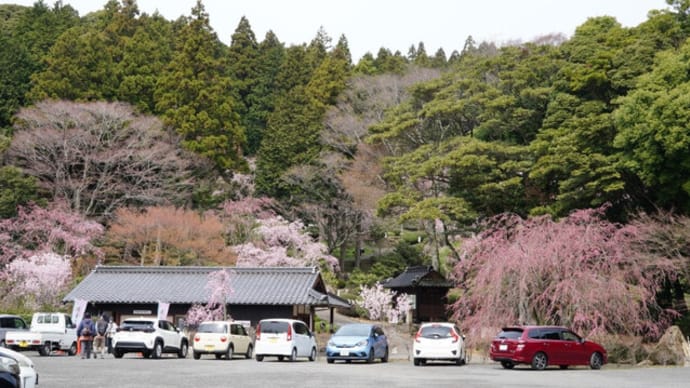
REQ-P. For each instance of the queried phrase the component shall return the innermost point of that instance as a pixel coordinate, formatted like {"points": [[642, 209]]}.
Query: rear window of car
{"points": [[513, 333], [274, 327], [136, 325], [216, 327], [436, 332], [354, 331]]}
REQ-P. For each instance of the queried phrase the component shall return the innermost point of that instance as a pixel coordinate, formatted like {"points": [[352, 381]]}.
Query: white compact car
{"points": [[150, 336], [27, 370], [439, 341], [222, 338], [284, 338]]}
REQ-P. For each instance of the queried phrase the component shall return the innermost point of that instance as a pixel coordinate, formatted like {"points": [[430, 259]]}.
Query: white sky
{"points": [[395, 24]]}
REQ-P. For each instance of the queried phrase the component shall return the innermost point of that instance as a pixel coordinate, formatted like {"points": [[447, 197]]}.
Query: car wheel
{"points": [[72, 349], [2, 344], [117, 353], [416, 362], [218, 356], [293, 355], [312, 355], [596, 360], [563, 366], [507, 364], [157, 351], [385, 355], [259, 358], [540, 361], [197, 356], [45, 349], [370, 359], [228, 354], [280, 358], [330, 360], [250, 349], [184, 349]]}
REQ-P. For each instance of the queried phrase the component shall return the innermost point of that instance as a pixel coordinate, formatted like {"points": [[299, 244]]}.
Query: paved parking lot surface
{"points": [[64, 371]]}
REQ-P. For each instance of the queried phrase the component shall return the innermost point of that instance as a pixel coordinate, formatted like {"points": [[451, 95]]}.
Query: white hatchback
{"points": [[284, 338], [27, 370], [222, 338], [439, 341]]}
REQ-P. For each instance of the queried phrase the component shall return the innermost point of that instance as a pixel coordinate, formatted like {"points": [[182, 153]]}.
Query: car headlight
{"points": [[331, 343], [9, 365], [361, 343]]}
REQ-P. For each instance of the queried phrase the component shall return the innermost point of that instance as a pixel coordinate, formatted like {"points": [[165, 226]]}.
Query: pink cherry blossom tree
{"points": [[381, 303], [581, 271], [279, 243], [38, 281], [219, 286]]}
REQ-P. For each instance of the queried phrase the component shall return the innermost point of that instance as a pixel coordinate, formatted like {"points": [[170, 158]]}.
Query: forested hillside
{"points": [[178, 149]]}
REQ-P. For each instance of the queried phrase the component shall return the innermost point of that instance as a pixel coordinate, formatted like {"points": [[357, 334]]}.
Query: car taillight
{"points": [[520, 346], [197, 338], [258, 332], [10, 341], [417, 336], [289, 333], [455, 336], [223, 339]]}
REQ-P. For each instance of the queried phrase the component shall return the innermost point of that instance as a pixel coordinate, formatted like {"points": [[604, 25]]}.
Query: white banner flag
{"points": [[78, 310], [163, 310]]}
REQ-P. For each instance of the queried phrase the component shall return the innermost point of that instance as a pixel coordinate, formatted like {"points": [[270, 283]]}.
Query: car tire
{"points": [[72, 351], [250, 350], [259, 358], [507, 364], [385, 355], [157, 350], [2, 344], [229, 352], [184, 349], [218, 356], [563, 367], [416, 362], [280, 358], [596, 360], [370, 359], [540, 361], [293, 355], [45, 349], [330, 360], [117, 353], [196, 355], [312, 355]]}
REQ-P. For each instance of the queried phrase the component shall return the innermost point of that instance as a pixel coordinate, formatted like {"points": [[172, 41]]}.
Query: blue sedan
{"points": [[357, 341]]}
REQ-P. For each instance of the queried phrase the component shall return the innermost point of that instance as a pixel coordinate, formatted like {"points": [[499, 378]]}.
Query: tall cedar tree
{"points": [[193, 95]]}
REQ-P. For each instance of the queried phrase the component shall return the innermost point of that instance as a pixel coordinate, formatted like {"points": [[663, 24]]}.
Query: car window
{"points": [[435, 332], [301, 328], [378, 331], [512, 333], [274, 327], [212, 327], [545, 333], [136, 325], [569, 336], [354, 331], [12, 323]]}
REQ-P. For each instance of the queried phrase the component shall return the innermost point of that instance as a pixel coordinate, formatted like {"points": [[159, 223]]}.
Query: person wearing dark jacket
{"points": [[85, 333]]}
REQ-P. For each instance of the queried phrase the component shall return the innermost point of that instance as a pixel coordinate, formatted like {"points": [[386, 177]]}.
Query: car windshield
{"points": [[510, 333], [136, 325], [274, 327], [212, 327], [436, 332], [354, 331]]}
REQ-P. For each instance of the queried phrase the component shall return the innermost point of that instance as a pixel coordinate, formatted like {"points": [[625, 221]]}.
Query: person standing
{"points": [[85, 333], [110, 333], [99, 340]]}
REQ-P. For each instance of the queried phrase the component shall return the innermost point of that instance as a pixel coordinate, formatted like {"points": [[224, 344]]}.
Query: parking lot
{"points": [[130, 371]]}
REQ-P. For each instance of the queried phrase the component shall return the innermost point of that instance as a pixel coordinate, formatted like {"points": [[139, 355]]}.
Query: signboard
{"points": [[141, 312]]}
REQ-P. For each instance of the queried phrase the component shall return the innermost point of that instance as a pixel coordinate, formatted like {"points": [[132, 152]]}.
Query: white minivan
{"points": [[284, 338]]}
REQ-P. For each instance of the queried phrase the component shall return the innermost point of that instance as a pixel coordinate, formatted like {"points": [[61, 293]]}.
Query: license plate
{"points": [[209, 347], [273, 340], [23, 344], [503, 348], [344, 353]]}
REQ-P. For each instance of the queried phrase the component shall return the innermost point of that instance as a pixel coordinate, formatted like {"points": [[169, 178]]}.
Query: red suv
{"points": [[541, 346]]}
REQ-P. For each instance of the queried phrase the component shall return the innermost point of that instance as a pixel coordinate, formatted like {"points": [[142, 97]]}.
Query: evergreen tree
{"points": [[194, 97]]}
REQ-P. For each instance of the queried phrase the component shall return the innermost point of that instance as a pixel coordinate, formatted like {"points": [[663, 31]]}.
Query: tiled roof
{"points": [[419, 276], [263, 286]]}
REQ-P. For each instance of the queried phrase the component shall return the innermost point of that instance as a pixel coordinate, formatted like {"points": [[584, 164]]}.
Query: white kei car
{"points": [[222, 338], [439, 341], [27, 369], [284, 338]]}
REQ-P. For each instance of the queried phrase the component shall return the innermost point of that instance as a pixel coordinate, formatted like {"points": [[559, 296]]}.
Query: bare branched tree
{"points": [[100, 156]]}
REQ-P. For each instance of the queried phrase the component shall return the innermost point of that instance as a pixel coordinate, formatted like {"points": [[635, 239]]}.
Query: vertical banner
{"points": [[163, 310], [78, 310]]}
